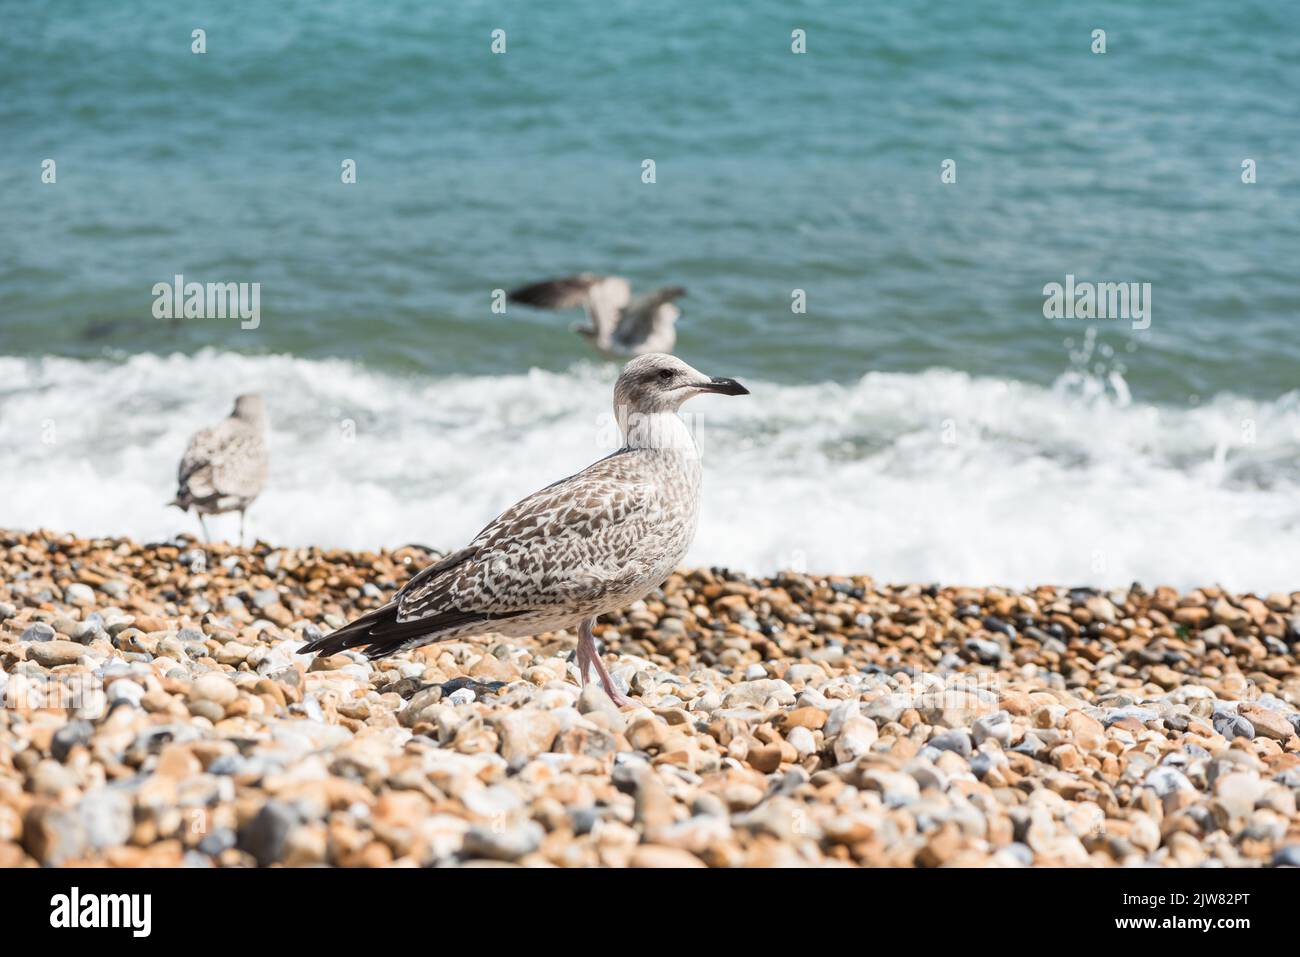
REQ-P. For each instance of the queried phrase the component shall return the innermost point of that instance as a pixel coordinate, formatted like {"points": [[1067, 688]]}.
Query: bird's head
{"points": [[249, 407], [658, 382]]}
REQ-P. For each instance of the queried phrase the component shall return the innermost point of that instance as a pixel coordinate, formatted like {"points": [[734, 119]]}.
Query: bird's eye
{"points": [[666, 374]]}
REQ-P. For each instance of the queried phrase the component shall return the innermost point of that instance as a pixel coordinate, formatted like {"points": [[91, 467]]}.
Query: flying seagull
{"points": [[587, 545], [224, 467], [618, 325]]}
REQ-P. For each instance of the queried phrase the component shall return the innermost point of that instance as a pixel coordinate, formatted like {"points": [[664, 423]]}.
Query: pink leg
{"points": [[587, 657]]}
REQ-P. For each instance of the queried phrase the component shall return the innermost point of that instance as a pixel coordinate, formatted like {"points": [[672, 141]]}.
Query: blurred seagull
{"points": [[618, 325], [224, 467], [585, 546]]}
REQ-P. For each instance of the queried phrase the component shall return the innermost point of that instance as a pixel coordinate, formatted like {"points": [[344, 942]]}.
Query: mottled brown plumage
{"points": [[584, 546]]}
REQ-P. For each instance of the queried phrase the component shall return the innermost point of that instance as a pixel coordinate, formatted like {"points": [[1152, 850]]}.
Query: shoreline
{"points": [[793, 720]]}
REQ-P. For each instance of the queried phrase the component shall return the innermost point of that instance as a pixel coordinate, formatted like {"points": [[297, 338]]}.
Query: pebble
{"points": [[855, 739], [1288, 856], [992, 727], [214, 688], [956, 741], [55, 652], [1233, 726], [1266, 722], [37, 632], [1165, 780], [503, 842], [525, 734], [787, 721], [106, 814], [265, 835], [54, 835]]}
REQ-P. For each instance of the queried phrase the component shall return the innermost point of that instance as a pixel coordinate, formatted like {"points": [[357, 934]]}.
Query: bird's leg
{"points": [[207, 539], [588, 656], [241, 528], [582, 658]]}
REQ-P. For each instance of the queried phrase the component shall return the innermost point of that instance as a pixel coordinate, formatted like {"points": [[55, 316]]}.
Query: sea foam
{"points": [[929, 477]]}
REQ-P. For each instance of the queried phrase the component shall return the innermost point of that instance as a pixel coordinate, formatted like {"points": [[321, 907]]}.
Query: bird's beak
{"points": [[723, 387]]}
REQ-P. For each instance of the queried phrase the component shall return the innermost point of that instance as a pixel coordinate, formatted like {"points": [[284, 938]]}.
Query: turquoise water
{"points": [[922, 421], [775, 172]]}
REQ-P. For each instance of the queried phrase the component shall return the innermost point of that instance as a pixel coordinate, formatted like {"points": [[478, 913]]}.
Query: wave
{"points": [[935, 476]]}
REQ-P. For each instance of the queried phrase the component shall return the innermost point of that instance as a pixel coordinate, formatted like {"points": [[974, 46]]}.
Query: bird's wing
{"points": [[565, 292], [194, 477], [240, 470], [639, 317], [602, 296], [568, 545], [227, 459]]}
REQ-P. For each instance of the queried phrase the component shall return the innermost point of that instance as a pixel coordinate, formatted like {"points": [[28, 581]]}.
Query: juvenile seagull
{"points": [[224, 467], [618, 326], [587, 545]]}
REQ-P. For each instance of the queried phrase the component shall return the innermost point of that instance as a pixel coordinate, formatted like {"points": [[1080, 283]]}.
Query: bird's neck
{"points": [[254, 420], [661, 431]]}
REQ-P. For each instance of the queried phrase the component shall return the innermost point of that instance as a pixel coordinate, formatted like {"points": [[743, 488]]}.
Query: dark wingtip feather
{"points": [[558, 293], [382, 634], [351, 635]]}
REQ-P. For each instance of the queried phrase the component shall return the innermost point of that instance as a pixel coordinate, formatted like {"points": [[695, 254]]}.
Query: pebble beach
{"points": [[156, 713]]}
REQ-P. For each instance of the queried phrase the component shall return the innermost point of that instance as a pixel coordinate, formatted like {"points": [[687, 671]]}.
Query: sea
{"points": [[868, 205]]}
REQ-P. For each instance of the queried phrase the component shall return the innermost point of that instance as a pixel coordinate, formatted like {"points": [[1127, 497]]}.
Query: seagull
{"points": [[224, 467], [582, 547], [618, 326]]}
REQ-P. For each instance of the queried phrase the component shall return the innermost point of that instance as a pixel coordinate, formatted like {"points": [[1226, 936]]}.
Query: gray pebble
{"points": [[265, 834], [956, 740], [69, 736], [115, 588], [1111, 715], [38, 632], [503, 843], [107, 817], [995, 726], [985, 651], [1233, 726], [1288, 856], [1166, 780], [221, 839], [583, 819]]}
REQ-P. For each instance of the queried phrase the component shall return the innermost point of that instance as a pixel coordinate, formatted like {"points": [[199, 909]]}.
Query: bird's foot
{"points": [[587, 656], [617, 696], [587, 661]]}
